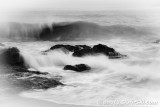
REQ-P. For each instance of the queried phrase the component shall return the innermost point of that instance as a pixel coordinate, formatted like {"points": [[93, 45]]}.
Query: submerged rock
{"points": [[78, 68], [23, 79], [35, 82]]}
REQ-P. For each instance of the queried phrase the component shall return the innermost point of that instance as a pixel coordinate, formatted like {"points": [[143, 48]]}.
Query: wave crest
{"points": [[71, 31]]}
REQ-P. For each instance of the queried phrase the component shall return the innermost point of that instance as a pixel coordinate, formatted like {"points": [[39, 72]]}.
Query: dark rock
{"points": [[78, 68], [105, 50], [14, 62], [25, 73], [22, 78], [63, 47], [82, 47], [70, 67], [82, 67], [98, 49], [69, 47], [38, 72], [83, 50], [102, 48], [11, 56]]}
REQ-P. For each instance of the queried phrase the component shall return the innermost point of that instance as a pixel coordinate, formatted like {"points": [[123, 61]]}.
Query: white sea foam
{"points": [[134, 78]]}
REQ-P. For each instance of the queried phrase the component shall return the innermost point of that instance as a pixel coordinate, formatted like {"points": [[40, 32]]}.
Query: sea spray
{"points": [[107, 80], [71, 31], [135, 78]]}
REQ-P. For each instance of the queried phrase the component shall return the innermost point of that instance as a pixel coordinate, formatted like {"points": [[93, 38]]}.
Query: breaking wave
{"points": [[64, 31]]}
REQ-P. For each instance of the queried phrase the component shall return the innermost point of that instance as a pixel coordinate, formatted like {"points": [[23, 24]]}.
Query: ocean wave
{"points": [[64, 31], [85, 30]]}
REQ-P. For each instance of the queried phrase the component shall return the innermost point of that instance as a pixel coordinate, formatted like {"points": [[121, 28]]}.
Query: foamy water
{"points": [[134, 78]]}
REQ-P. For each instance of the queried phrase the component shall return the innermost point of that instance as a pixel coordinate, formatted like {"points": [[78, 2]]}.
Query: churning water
{"points": [[136, 77]]}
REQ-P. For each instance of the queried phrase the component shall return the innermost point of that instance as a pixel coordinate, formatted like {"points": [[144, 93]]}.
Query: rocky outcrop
{"points": [[20, 77], [83, 50], [77, 68], [11, 56], [69, 47], [98, 49]]}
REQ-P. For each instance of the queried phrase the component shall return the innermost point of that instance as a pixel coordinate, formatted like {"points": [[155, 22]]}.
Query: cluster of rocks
{"points": [[22, 77], [83, 50]]}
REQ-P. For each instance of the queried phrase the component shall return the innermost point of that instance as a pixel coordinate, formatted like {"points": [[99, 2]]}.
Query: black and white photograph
{"points": [[79, 53]]}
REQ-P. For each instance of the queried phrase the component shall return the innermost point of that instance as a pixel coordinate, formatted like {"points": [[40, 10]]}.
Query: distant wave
{"points": [[84, 30], [71, 31]]}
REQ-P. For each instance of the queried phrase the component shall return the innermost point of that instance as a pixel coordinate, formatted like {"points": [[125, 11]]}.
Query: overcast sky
{"points": [[15, 5]]}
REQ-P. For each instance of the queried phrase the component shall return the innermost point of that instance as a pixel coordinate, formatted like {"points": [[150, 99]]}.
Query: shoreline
{"points": [[19, 101]]}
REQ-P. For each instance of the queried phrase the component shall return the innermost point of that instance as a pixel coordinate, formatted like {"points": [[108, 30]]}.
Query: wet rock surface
{"points": [[11, 56], [83, 50], [77, 68], [69, 47]]}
